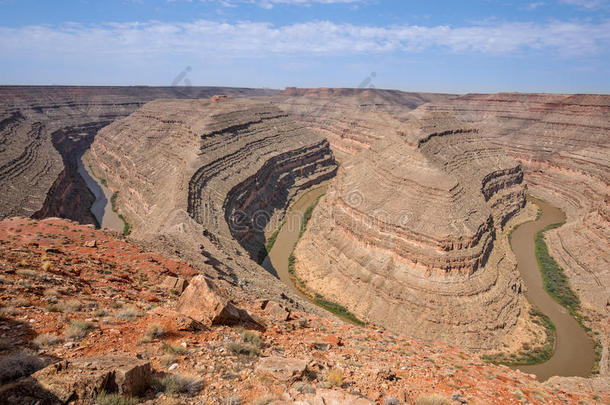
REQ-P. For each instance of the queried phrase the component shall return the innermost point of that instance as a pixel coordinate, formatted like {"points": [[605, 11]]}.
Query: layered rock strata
{"points": [[44, 131], [563, 145], [352, 119], [228, 168], [410, 237]]}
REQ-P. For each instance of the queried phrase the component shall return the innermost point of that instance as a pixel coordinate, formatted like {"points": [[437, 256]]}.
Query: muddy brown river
{"points": [[101, 208], [277, 260], [574, 350]]}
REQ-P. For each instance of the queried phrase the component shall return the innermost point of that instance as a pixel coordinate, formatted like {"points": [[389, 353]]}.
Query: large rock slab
{"points": [[206, 303], [83, 379]]}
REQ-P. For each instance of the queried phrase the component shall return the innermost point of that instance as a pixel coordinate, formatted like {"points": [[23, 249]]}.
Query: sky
{"points": [[451, 46]]}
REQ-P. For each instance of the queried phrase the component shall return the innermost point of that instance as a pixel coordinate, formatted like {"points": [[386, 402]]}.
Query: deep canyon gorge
{"points": [[412, 235]]}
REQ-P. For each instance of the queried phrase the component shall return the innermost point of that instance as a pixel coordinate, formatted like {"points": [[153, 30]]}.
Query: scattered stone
{"points": [[282, 368], [91, 243]]}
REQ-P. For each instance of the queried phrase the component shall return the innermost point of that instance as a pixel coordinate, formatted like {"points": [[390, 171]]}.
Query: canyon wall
{"points": [[352, 119], [563, 145], [217, 174], [409, 235], [45, 129]]}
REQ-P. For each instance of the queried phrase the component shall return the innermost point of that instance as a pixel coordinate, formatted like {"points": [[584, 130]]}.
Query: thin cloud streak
{"points": [[251, 39]]}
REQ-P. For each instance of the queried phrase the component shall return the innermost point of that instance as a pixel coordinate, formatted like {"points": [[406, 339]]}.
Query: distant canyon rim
{"points": [[412, 234]]}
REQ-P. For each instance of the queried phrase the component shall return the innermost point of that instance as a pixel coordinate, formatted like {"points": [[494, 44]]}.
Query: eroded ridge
{"points": [[410, 237], [233, 166]]}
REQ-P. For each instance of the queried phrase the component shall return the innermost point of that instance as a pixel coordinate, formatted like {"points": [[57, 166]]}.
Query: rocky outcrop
{"points": [[45, 130], [83, 379], [230, 167], [409, 236]]}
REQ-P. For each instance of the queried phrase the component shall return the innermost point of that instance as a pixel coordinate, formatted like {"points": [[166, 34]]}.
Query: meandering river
{"points": [[101, 208], [276, 261], [574, 353], [574, 350]]}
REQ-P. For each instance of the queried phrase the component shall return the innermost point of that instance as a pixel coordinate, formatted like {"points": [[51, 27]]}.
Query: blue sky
{"points": [[560, 46]]}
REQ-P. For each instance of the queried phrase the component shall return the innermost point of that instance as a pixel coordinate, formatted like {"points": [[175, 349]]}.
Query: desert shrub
{"points": [[78, 330], [28, 273], [252, 337], [46, 265], [19, 302], [179, 384], [173, 349], [334, 377], [9, 311], [70, 306], [243, 349], [130, 313], [46, 340], [100, 312], [155, 331], [18, 365], [432, 399], [114, 399]]}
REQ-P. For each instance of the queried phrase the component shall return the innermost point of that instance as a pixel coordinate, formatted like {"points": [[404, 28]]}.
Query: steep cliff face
{"points": [[44, 131], [409, 235], [231, 166], [563, 145]]}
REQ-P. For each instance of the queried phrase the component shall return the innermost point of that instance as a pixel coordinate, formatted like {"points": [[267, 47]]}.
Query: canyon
{"points": [[412, 236]]}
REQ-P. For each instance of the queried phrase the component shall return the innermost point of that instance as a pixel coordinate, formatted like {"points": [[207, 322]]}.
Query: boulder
{"points": [[83, 379], [276, 311], [206, 303], [282, 368], [174, 283], [91, 243]]}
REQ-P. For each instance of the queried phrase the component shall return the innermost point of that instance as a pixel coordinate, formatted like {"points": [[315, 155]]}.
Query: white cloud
{"points": [[535, 5], [271, 3], [590, 4], [204, 38]]}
